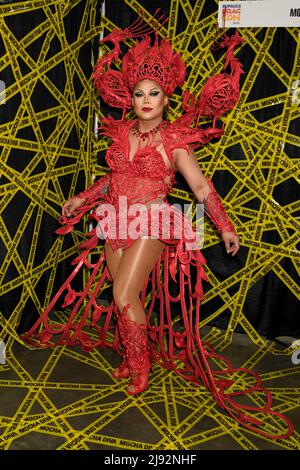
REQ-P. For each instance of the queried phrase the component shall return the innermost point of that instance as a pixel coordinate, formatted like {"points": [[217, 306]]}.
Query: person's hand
{"points": [[231, 241], [73, 203]]}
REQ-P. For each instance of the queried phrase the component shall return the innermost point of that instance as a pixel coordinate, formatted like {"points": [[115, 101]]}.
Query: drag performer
{"points": [[149, 243]]}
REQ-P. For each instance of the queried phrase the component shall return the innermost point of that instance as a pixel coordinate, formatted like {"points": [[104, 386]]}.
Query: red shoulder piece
{"points": [[115, 129], [178, 135], [221, 92]]}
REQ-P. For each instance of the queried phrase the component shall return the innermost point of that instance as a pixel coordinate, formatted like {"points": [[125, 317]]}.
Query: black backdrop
{"points": [[58, 142]]}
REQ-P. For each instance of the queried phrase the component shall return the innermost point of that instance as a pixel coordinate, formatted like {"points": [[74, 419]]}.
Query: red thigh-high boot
{"points": [[137, 354]]}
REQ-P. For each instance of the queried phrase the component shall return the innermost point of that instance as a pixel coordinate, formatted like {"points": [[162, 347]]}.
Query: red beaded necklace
{"points": [[145, 135]]}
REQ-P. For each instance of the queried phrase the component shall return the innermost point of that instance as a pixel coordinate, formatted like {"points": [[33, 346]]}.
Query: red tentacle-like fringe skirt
{"points": [[178, 348]]}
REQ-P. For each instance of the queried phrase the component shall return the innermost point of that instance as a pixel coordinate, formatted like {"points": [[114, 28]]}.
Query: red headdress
{"points": [[143, 61], [159, 63], [165, 66]]}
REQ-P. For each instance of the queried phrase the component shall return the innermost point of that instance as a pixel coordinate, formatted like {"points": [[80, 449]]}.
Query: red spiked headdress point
{"points": [[158, 62]]}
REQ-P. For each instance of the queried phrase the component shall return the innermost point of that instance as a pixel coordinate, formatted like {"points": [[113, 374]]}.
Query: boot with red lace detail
{"points": [[137, 355], [122, 371]]}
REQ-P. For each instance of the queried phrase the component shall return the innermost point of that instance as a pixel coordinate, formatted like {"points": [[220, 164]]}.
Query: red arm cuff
{"points": [[93, 191], [213, 207]]}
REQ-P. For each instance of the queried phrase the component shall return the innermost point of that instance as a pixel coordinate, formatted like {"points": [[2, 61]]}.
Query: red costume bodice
{"points": [[145, 178], [142, 179]]}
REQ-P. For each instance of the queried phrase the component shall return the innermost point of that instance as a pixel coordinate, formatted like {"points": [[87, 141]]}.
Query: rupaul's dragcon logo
{"points": [[231, 12]]}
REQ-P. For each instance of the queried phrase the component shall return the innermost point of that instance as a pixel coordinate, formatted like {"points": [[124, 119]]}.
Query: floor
{"points": [[65, 399]]}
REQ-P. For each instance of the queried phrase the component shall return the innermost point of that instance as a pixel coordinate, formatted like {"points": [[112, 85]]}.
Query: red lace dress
{"points": [[137, 193], [144, 179]]}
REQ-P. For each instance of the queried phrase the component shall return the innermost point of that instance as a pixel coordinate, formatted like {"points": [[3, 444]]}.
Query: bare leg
{"points": [[135, 265], [112, 259]]}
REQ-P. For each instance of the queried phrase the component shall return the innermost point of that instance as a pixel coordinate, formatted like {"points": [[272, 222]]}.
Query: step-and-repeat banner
{"points": [[255, 13]]}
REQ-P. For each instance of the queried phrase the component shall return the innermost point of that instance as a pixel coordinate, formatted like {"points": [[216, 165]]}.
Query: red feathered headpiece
{"points": [[165, 66], [159, 63], [143, 61]]}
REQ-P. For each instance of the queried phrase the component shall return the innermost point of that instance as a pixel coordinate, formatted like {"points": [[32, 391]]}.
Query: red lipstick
{"points": [[147, 110]]}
